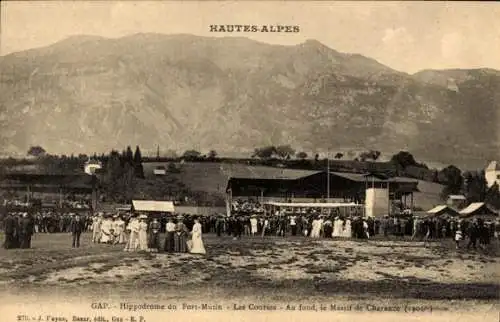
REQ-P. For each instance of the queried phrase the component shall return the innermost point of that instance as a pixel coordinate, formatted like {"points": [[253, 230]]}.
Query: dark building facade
{"points": [[320, 185]]}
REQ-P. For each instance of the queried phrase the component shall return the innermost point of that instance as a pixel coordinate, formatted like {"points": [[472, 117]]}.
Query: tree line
{"points": [[123, 173]]}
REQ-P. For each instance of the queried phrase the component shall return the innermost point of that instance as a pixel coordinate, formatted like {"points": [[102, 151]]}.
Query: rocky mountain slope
{"points": [[87, 94]]}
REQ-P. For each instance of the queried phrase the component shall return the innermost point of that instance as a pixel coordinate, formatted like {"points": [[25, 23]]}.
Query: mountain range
{"points": [[89, 94]]}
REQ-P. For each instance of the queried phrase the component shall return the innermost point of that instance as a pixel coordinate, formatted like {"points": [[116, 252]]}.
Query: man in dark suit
{"points": [[26, 231], [76, 228], [473, 233], [10, 230]]}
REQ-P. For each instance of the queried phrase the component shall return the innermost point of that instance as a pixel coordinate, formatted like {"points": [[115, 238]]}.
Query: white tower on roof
{"points": [[492, 174]]}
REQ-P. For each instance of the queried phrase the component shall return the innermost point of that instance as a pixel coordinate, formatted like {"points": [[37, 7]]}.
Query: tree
{"points": [[112, 177], [172, 168], [435, 176], [36, 151], [339, 155], [284, 151], [493, 196], [138, 169], [129, 155], [265, 152], [212, 154], [369, 155], [191, 155], [302, 155], [476, 186], [451, 177], [403, 159]]}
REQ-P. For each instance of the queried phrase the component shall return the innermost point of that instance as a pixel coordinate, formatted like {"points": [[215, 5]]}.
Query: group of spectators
{"points": [[20, 226], [246, 206]]}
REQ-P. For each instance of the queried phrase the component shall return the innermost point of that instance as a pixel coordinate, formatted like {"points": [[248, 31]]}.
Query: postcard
{"points": [[249, 161]]}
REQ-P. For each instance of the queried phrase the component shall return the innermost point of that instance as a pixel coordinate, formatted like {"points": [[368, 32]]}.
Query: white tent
{"points": [[442, 210], [478, 209], [153, 206]]}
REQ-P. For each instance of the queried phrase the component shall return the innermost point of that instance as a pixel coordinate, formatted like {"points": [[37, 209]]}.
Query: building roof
{"points": [[437, 209], [273, 173], [362, 177], [477, 208], [493, 166], [151, 205], [213, 177], [442, 209]]}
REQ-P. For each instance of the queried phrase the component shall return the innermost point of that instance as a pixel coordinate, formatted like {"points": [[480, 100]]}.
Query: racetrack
{"points": [[267, 269]]}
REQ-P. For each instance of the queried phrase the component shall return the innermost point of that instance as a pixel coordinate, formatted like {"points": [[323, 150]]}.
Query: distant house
{"points": [[160, 171], [492, 174], [456, 201]]}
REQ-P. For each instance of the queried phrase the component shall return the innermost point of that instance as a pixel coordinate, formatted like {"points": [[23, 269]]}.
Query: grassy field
{"points": [[272, 268]]}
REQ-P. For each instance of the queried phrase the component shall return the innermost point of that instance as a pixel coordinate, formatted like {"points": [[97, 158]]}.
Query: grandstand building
{"points": [[321, 186]]}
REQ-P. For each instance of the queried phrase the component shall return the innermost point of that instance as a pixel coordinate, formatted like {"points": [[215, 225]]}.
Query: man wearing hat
{"points": [[219, 225], [10, 230], [26, 231], [76, 228], [154, 235], [180, 236], [169, 237]]}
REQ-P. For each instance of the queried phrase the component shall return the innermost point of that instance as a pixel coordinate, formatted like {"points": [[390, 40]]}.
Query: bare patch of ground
{"points": [[272, 267]]}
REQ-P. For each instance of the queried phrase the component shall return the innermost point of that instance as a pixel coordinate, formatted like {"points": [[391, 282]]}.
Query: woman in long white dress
{"points": [[253, 224], [337, 228], [197, 246], [143, 234], [106, 227], [321, 222], [347, 229], [133, 240], [96, 228], [316, 228], [119, 230]]}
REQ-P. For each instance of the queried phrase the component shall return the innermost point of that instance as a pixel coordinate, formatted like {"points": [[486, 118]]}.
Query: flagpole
{"points": [[328, 176]]}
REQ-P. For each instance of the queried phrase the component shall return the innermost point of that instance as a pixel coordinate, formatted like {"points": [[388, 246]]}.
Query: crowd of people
{"points": [[142, 233], [316, 225], [18, 229], [138, 232]]}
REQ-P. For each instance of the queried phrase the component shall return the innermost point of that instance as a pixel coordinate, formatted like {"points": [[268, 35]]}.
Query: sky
{"points": [[408, 36]]}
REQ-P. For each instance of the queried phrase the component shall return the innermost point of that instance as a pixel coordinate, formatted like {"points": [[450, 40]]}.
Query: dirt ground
{"points": [[256, 269]]}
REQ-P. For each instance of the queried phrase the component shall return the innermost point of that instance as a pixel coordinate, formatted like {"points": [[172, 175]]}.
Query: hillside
{"points": [[91, 94]]}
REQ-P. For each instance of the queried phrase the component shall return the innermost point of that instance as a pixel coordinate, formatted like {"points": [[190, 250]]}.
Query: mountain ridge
{"points": [[233, 93]]}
